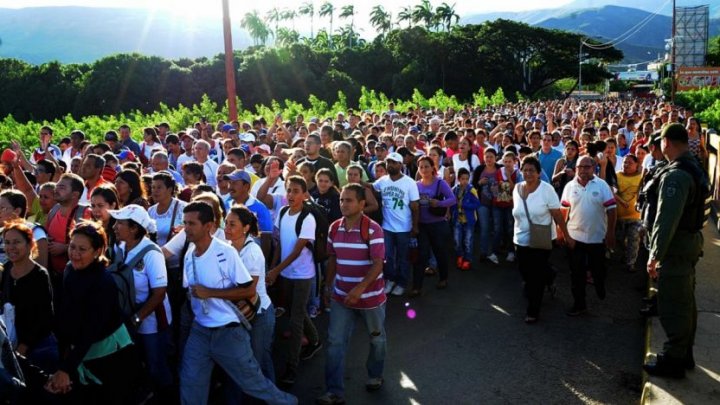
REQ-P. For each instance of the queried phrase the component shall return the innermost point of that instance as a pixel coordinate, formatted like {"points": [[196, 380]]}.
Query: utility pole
{"points": [[672, 58], [229, 63]]}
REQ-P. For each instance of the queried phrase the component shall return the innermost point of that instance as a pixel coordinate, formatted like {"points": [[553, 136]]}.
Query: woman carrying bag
{"points": [[535, 206], [97, 361]]}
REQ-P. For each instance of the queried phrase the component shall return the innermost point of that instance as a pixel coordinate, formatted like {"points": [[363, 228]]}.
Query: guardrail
{"points": [[712, 142]]}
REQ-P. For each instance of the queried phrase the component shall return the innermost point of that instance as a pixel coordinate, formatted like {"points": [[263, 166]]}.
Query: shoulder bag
{"points": [[540, 235]]}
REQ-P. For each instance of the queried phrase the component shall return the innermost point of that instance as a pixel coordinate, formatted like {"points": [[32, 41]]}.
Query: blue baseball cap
{"points": [[227, 127], [238, 175]]}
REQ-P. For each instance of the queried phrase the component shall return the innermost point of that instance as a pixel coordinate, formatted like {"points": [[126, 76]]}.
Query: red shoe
{"points": [[459, 262], [465, 265]]}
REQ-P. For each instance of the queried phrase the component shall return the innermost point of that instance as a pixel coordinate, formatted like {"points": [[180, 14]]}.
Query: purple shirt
{"points": [[429, 192]]}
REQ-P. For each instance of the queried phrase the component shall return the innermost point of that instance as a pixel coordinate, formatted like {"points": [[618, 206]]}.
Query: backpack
{"points": [[78, 213], [122, 274], [364, 229], [319, 248]]}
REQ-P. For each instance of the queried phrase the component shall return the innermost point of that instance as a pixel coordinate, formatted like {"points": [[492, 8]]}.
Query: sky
{"points": [[203, 6]]}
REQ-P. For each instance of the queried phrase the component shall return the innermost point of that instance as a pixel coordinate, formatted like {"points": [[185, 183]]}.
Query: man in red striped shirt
{"points": [[355, 281]]}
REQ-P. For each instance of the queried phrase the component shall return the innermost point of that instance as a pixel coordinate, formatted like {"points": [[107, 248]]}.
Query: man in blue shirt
{"points": [[548, 155], [126, 140], [240, 193]]}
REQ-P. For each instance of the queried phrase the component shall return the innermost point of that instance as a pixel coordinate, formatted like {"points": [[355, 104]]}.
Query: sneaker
{"points": [[374, 384], [389, 286], [398, 291], [466, 265], [493, 258], [309, 351], [288, 378], [460, 261], [330, 399], [510, 257]]}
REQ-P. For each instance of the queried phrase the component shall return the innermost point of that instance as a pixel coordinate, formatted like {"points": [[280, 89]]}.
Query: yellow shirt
{"points": [[628, 188]]}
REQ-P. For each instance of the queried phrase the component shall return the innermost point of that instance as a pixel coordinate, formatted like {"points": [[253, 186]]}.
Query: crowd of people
{"points": [[132, 269]]}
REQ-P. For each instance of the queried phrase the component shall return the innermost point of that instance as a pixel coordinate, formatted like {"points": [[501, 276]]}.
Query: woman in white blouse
{"points": [[543, 206]]}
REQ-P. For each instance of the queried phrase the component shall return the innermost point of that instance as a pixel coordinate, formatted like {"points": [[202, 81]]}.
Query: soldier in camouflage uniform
{"points": [[676, 243]]}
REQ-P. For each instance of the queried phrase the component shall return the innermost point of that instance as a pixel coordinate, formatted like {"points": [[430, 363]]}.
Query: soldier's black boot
{"points": [[665, 367]]}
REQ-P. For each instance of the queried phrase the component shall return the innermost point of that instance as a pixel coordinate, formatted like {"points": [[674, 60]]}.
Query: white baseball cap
{"points": [[136, 213], [394, 157]]}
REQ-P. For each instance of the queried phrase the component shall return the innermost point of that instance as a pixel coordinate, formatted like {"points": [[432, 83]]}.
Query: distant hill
{"points": [[82, 34], [608, 22]]}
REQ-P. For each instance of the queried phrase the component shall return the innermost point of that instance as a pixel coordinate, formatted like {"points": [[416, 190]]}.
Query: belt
{"points": [[226, 326]]}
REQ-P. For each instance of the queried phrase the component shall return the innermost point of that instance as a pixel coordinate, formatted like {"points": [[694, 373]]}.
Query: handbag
{"points": [[438, 211], [540, 235]]}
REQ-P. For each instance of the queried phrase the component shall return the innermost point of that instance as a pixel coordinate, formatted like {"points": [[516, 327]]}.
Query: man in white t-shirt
{"points": [[216, 276], [591, 223], [295, 263], [201, 151], [401, 213]]}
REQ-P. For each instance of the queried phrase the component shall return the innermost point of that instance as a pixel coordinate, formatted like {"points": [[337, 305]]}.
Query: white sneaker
{"points": [[510, 257], [493, 258], [389, 286], [398, 291]]}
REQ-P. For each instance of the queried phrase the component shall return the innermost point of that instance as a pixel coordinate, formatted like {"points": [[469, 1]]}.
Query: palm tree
{"points": [[445, 14], [349, 12], [308, 9], [380, 19], [287, 37], [327, 9], [289, 15], [424, 13], [274, 15], [405, 14], [256, 27]]}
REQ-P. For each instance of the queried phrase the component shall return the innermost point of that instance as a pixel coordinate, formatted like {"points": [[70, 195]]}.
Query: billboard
{"points": [[689, 78], [639, 76], [691, 35]]}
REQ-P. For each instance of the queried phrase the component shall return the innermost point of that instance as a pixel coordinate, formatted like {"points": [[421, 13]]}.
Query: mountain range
{"points": [[83, 34]]}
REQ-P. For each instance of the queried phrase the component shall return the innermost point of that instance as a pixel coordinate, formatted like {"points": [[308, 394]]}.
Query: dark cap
{"points": [[675, 132], [654, 139]]}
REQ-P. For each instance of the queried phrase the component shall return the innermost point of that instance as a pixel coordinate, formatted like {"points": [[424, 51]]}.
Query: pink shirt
{"points": [[354, 258]]}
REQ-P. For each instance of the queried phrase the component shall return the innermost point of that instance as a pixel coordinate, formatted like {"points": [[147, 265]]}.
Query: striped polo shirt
{"points": [[354, 258]]}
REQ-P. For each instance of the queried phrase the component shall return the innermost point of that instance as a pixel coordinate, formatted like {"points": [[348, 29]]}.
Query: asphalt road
{"points": [[468, 344]]}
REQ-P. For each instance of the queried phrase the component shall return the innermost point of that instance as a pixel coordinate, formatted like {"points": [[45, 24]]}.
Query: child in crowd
{"points": [[464, 218]]}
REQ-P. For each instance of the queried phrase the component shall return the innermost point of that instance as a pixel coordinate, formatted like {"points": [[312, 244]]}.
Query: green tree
{"points": [[289, 15], [308, 9], [380, 19], [345, 13], [423, 13], [287, 37], [256, 27], [274, 15], [405, 15], [445, 14], [327, 9], [713, 55]]}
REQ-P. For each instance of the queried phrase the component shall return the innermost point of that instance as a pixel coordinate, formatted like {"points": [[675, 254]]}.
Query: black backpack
{"points": [[322, 226], [122, 274]]}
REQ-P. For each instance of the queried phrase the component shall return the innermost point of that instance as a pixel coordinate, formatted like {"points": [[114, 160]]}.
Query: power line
{"points": [[627, 34]]}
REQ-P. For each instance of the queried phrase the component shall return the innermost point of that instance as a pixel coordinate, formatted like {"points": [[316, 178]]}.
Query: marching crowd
{"points": [[130, 270]]}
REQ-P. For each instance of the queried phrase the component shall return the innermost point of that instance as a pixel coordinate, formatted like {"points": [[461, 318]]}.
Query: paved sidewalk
{"points": [[702, 385]]}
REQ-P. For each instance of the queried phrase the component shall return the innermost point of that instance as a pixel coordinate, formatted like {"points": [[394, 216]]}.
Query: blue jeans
{"points": [[397, 265], [342, 322], [488, 241], [261, 339], [464, 238], [230, 348], [154, 348], [503, 225]]}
